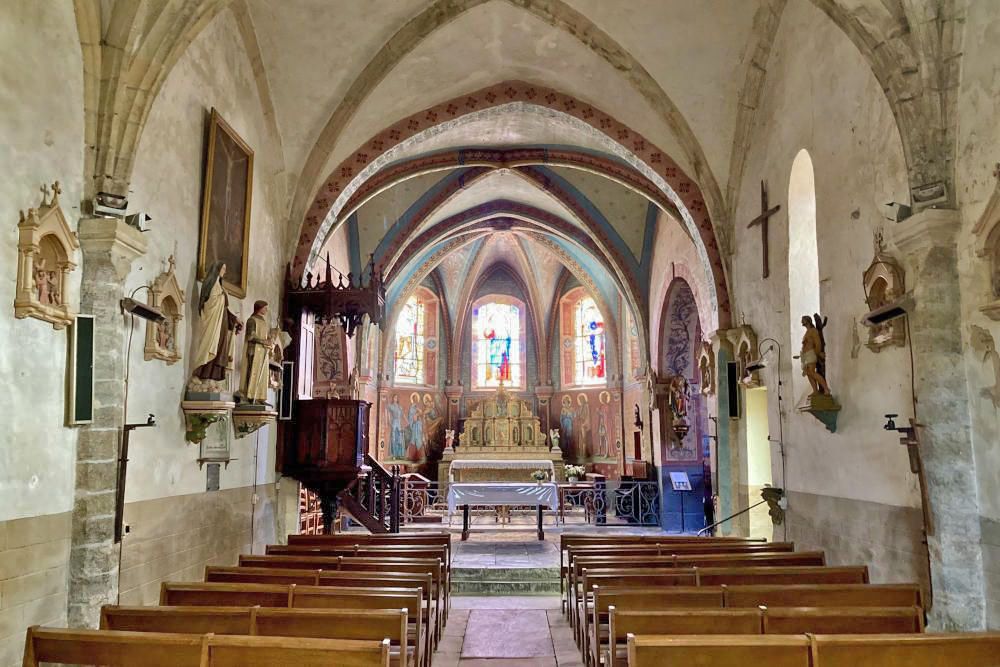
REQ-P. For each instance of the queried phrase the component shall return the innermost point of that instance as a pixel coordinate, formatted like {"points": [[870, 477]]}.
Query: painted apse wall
{"points": [[41, 140], [976, 179], [177, 527], [850, 493]]}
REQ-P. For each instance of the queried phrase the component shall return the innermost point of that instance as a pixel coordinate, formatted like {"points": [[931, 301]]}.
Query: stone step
{"points": [[505, 581]]}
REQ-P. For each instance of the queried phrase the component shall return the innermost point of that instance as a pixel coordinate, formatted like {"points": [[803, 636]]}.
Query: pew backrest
{"points": [[841, 620], [824, 595], [232, 651], [734, 576], [914, 650], [718, 650], [176, 619], [224, 594], [114, 649]]}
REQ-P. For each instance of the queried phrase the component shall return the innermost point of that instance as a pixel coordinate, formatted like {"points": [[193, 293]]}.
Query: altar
{"points": [[502, 441], [502, 494]]}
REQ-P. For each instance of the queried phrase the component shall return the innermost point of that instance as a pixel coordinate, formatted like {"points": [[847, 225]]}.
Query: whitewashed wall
{"points": [[41, 140], [851, 492]]}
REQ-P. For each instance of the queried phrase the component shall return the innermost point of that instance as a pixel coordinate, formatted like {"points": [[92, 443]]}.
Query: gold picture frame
{"points": [[226, 205]]}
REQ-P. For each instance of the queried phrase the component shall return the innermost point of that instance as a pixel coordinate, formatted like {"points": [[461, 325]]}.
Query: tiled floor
{"points": [[480, 634]]}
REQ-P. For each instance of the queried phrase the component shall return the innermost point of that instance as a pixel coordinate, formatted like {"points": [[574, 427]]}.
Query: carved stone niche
{"points": [[744, 341], [884, 284], [46, 254], [706, 367], [163, 338], [987, 233]]}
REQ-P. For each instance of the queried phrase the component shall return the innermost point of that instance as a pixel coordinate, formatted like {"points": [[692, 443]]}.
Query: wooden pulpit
{"points": [[323, 447]]}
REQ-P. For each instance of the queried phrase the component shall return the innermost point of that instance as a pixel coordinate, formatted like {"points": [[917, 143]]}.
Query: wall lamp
{"points": [[890, 311], [143, 310]]}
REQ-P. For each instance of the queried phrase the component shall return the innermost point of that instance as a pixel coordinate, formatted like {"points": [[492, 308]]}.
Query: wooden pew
{"points": [[433, 566], [373, 624], [658, 599], [234, 651], [774, 576], [441, 538], [568, 540], [828, 595], [782, 621], [673, 622], [805, 558], [720, 651], [97, 647], [661, 549], [156, 649], [260, 575], [841, 620], [938, 650], [293, 596]]}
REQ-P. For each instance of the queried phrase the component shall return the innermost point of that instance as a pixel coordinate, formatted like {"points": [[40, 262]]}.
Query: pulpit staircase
{"points": [[373, 498]]}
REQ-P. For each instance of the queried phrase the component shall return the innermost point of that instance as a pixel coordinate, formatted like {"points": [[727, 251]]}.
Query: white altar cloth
{"points": [[502, 493], [499, 464]]}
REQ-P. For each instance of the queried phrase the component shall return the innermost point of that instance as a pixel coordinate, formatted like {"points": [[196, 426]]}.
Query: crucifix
{"points": [[761, 220]]}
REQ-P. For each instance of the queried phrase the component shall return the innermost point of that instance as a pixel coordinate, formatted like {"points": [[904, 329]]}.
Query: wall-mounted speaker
{"points": [[287, 390], [80, 403], [733, 387]]}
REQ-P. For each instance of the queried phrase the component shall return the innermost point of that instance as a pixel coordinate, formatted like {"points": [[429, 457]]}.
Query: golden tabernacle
{"points": [[501, 428]]}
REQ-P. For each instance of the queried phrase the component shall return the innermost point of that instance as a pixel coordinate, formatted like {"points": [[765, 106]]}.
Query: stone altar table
{"points": [[499, 494], [479, 466]]}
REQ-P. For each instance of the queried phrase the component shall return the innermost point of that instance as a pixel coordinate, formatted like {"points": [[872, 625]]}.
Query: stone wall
{"points": [[34, 560], [821, 95], [174, 538], [977, 155]]}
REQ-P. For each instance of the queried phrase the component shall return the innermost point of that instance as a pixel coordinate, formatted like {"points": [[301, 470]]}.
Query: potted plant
{"points": [[574, 473], [540, 476]]}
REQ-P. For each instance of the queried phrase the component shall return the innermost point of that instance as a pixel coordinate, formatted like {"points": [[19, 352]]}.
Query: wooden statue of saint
{"points": [[812, 358], [217, 326], [256, 357]]}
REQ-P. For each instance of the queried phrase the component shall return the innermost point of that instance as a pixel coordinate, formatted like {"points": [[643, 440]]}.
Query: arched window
{"points": [[497, 344], [590, 359], [409, 355], [803, 255]]}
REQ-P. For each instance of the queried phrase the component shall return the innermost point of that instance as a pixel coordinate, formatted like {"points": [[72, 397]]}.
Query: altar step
{"points": [[505, 580]]}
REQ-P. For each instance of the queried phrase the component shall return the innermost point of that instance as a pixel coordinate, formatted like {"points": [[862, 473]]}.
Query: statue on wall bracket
{"points": [[208, 398], [252, 412], [812, 359]]}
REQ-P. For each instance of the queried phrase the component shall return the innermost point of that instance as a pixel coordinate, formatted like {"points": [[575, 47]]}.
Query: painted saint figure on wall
{"points": [[602, 425], [583, 423], [415, 420], [397, 448], [566, 417]]}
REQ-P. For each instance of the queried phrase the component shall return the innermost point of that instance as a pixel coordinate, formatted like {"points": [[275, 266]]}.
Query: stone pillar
{"points": [[927, 243], [109, 247], [727, 460]]}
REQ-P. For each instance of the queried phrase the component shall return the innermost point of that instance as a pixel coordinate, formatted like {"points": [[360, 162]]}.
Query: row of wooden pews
{"points": [[350, 600], [646, 601]]}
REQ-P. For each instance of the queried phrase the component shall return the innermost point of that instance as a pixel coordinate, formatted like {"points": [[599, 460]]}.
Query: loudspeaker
{"points": [[80, 403], [733, 386], [287, 390]]}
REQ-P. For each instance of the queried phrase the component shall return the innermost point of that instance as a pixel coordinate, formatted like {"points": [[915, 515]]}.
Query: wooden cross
{"points": [[761, 220]]}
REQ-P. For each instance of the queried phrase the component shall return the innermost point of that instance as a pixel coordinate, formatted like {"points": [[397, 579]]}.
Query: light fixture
{"points": [[143, 310], [890, 311], [898, 212], [109, 205]]}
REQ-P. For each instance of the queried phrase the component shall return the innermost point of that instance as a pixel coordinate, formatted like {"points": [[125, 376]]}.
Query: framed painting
{"points": [[225, 212]]}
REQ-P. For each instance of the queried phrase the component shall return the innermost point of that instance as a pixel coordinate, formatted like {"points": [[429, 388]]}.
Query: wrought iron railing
{"points": [[611, 503]]}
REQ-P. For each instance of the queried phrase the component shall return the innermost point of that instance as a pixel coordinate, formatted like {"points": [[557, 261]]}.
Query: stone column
{"points": [[109, 247], [927, 243]]}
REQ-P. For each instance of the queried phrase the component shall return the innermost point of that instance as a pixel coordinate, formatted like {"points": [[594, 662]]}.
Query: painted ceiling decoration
{"points": [[345, 180]]}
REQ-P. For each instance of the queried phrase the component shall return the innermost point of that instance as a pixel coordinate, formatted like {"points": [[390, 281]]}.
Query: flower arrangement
{"points": [[540, 476], [574, 473]]}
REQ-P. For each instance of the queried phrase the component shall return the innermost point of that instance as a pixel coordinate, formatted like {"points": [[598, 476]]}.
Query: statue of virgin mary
{"points": [[217, 326]]}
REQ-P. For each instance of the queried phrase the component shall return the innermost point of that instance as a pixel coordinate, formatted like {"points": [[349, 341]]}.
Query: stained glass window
{"points": [[497, 349], [409, 353], [590, 341]]}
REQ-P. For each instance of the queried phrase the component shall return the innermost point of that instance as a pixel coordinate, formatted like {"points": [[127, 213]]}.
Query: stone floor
{"points": [[506, 554], [480, 632]]}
